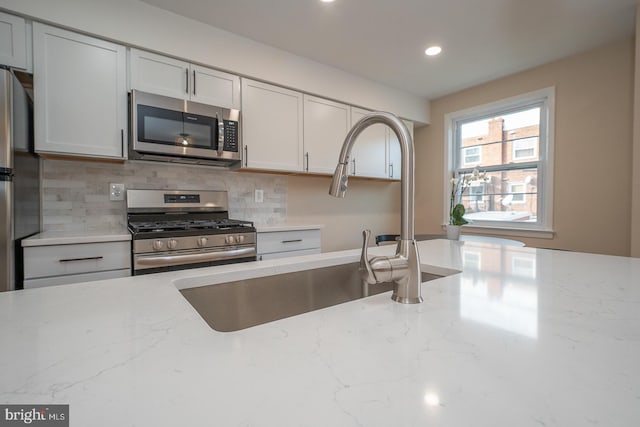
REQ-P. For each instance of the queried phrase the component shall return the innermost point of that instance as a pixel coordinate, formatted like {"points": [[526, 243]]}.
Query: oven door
{"points": [[175, 128], [177, 260]]}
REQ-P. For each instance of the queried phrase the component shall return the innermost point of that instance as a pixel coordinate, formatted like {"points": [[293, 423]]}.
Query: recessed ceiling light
{"points": [[433, 50], [327, 1]]}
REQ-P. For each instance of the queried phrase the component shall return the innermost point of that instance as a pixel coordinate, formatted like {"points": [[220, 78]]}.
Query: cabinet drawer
{"points": [[75, 278], [283, 241], [57, 260]]}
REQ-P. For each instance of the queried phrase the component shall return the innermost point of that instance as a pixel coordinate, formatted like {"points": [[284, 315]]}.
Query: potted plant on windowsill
{"points": [[456, 221], [456, 208]]}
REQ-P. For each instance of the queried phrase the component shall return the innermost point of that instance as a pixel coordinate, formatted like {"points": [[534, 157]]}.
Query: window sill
{"points": [[511, 232]]}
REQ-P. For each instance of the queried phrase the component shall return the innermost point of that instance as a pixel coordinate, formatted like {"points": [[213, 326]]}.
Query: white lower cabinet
{"points": [[72, 263], [287, 243]]}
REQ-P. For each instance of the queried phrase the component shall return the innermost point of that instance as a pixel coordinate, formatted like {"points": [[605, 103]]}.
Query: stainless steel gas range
{"points": [[178, 229]]}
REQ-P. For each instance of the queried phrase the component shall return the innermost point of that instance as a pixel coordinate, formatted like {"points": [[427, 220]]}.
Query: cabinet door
{"points": [[368, 157], [394, 168], [80, 94], [215, 87], [13, 45], [326, 124], [272, 127], [160, 75]]}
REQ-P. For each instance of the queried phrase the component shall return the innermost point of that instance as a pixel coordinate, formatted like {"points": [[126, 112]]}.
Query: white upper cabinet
{"points": [[80, 94], [272, 123], [179, 79], [326, 124], [369, 154], [159, 74], [394, 167], [13, 41], [215, 87]]}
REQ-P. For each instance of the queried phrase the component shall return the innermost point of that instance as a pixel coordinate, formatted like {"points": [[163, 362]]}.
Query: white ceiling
{"points": [[384, 40]]}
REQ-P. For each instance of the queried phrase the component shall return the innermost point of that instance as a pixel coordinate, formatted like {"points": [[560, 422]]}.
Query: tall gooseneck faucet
{"points": [[404, 267]]}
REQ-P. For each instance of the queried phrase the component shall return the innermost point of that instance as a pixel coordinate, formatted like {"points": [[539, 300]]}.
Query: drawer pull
{"points": [[93, 258], [292, 241]]}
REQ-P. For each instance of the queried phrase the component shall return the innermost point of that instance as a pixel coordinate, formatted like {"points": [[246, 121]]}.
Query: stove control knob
{"points": [[172, 244], [158, 245], [202, 241], [230, 240], [240, 238]]}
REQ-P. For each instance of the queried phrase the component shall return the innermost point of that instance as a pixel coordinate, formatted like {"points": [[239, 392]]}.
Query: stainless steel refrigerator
{"points": [[19, 175]]}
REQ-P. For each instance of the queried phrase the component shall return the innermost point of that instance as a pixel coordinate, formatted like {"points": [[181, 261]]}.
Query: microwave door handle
{"points": [[220, 137]]}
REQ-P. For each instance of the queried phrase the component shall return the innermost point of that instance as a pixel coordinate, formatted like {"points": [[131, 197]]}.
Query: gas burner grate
{"points": [[194, 224]]}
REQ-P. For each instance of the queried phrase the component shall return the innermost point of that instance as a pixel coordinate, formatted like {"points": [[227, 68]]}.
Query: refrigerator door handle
{"points": [[7, 273], [6, 102]]}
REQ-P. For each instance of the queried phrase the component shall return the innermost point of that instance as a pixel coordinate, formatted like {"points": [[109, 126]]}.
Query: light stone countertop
{"points": [[48, 238], [522, 337], [287, 227]]}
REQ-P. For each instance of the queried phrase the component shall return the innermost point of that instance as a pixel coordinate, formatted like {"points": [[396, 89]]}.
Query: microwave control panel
{"points": [[230, 136]]}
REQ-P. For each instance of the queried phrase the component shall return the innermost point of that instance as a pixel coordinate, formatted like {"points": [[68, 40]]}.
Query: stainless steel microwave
{"points": [[180, 131]]}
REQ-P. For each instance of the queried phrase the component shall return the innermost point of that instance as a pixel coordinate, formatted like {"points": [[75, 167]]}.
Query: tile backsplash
{"points": [[75, 194]]}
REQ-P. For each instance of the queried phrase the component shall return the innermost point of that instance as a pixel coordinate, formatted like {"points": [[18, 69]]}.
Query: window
{"points": [[511, 140], [517, 192], [471, 156], [524, 149], [476, 192]]}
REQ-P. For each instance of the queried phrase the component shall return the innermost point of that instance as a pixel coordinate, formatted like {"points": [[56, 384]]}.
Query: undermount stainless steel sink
{"points": [[241, 304]]}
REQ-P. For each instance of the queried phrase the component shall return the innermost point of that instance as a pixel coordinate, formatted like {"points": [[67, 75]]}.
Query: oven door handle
{"points": [[176, 259]]}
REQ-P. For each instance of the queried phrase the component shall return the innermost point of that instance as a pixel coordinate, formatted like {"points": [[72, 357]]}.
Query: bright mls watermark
{"points": [[34, 415]]}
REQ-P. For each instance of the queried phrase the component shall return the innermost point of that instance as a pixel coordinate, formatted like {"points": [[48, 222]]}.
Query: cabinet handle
{"points": [[92, 258], [292, 241], [306, 155], [194, 82], [186, 81], [246, 156], [390, 170], [354, 165], [122, 142]]}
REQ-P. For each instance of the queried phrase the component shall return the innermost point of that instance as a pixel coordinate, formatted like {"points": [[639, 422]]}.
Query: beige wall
{"points": [[593, 146], [368, 204], [635, 209]]}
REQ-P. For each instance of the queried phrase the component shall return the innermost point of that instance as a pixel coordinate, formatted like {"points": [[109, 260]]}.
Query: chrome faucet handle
{"points": [[366, 272]]}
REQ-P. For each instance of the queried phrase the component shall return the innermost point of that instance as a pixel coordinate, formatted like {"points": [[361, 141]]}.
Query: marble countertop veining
{"points": [[521, 337]]}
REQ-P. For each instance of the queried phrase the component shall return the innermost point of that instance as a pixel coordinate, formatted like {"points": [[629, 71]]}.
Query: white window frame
{"points": [[543, 228], [515, 148]]}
